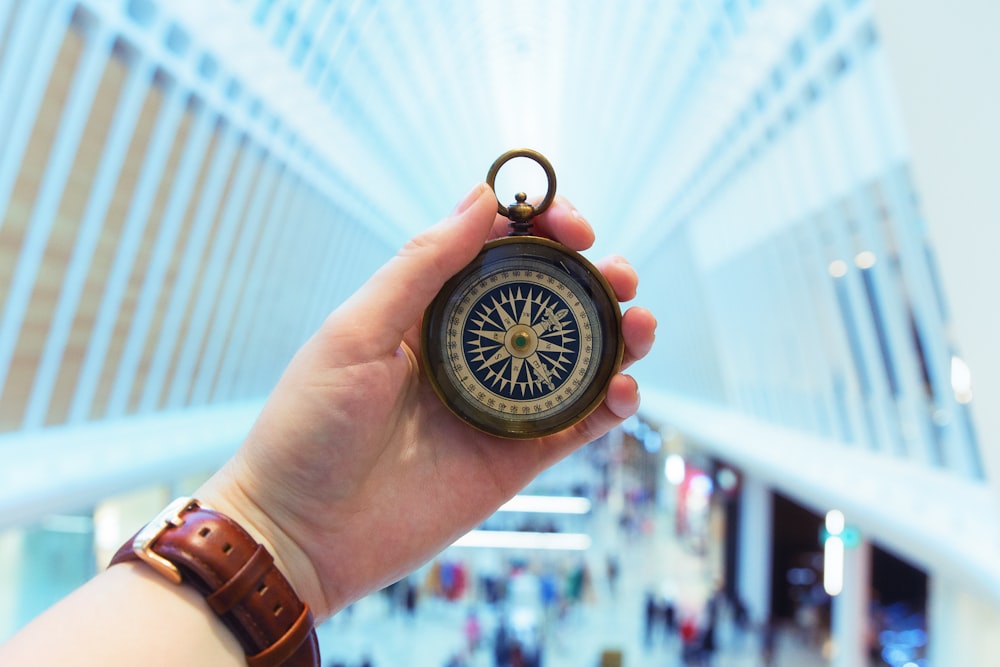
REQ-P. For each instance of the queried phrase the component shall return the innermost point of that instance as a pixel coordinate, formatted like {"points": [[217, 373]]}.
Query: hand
{"points": [[355, 473]]}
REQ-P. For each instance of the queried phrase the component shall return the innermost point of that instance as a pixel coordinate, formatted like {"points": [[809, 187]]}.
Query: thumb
{"points": [[394, 298]]}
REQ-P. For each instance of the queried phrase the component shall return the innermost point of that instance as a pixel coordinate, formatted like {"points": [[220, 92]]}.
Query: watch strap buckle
{"points": [[145, 539]]}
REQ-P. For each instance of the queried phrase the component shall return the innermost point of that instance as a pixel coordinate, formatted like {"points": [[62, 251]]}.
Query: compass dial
{"points": [[524, 340]]}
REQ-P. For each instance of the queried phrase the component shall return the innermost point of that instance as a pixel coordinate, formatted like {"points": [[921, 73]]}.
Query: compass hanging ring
{"points": [[521, 213], [524, 341]]}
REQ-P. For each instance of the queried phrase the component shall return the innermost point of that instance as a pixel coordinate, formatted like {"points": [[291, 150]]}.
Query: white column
{"points": [[850, 608], [940, 60], [961, 624], [754, 559]]}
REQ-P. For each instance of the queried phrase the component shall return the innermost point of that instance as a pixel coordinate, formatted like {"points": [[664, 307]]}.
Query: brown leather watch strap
{"points": [[237, 576]]}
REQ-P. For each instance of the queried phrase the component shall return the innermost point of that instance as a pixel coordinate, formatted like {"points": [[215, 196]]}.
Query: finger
{"points": [[621, 402], [561, 222], [621, 275], [639, 332], [397, 294]]}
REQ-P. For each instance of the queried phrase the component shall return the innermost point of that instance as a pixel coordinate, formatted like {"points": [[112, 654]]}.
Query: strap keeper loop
{"points": [[233, 591], [287, 644]]}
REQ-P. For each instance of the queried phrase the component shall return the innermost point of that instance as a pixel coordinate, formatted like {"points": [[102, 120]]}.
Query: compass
{"points": [[524, 340]]}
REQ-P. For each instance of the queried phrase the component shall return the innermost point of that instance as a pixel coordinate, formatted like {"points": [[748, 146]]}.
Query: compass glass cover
{"points": [[526, 339]]}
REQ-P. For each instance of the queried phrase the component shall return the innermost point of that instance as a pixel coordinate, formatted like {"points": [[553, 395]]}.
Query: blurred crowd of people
{"points": [[510, 614]]}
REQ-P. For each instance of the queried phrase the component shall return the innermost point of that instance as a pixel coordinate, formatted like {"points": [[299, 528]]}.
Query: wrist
{"points": [[224, 494], [195, 546]]}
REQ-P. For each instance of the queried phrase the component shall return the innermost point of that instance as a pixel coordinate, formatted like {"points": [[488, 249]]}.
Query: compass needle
{"points": [[505, 317], [549, 346], [525, 317], [515, 369], [489, 334], [499, 356]]}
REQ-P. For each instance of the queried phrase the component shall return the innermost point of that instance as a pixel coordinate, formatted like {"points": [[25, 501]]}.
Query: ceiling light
{"points": [[547, 504], [508, 539]]}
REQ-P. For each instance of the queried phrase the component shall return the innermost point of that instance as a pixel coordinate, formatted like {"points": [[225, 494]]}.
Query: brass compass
{"points": [[524, 340]]}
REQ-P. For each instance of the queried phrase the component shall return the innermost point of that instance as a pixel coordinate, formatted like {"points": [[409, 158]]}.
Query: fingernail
{"points": [[469, 199], [579, 217], [632, 407]]}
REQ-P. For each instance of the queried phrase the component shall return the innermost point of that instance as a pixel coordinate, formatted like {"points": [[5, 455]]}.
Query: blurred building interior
{"points": [[807, 189]]}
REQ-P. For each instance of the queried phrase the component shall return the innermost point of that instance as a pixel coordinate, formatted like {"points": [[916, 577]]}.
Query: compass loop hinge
{"points": [[520, 215]]}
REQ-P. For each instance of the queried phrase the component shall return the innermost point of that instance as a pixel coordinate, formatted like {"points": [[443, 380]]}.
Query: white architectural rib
{"points": [[230, 384], [237, 276], [163, 250], [272, 343], [167, 122], [50, 193], [131, 100], [213, 267], [36, 35], [170, 334]]}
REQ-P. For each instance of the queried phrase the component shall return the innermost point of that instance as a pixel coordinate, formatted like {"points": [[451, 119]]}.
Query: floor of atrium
{"points": [[606, 629]]}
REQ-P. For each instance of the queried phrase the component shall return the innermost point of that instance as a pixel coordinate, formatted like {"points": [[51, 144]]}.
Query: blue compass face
{"points": [[524, 340], [521, 341]]}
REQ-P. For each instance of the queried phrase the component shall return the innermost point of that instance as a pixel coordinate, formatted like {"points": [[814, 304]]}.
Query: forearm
{"points": [[126, 615]]}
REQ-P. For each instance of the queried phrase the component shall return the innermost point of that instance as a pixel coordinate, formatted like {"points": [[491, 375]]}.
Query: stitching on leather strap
{"points": [[236, 589], [287, 645]]}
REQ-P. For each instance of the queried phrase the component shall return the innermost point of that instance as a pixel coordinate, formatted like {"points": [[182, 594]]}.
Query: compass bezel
{"points": [[564, 265]]}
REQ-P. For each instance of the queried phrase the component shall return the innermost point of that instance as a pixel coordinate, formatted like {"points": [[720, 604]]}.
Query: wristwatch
{"points": [[189, 543]]}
